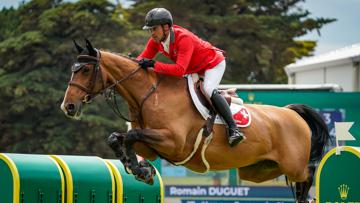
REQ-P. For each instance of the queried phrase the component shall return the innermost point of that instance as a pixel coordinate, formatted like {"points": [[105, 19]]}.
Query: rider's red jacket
{"points": [[189, 53]]}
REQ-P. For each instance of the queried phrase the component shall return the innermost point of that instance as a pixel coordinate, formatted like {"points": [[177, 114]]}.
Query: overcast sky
{"points": [[344, 32]]}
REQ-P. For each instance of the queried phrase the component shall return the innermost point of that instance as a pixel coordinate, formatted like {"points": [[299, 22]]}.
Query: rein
{"points": [[89, 90], [112, 92]]}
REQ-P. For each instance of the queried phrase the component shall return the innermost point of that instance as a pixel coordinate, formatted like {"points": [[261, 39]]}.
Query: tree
{"points": [[259, 36], [36, 54]]}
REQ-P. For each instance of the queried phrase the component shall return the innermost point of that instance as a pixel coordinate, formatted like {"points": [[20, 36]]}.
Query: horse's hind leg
{"points": [[260, 172], [302, 189]]}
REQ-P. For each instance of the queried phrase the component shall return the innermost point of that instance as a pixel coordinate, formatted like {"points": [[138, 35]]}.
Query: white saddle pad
{"points": [[240, 113]]}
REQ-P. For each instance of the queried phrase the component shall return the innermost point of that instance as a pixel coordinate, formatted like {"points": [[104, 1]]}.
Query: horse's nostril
{"points": [[70, 108]]}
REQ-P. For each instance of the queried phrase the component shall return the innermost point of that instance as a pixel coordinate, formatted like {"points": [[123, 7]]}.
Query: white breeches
{"points": [[212, 78]]}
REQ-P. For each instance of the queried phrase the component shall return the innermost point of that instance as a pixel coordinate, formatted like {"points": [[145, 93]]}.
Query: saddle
{"points": [[240, 113]]}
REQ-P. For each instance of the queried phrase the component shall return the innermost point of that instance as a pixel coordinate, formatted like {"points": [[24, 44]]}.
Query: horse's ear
{"points": [[90, 48], [78, 47]]}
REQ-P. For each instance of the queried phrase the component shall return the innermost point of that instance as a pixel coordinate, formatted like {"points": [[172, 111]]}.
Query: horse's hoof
{"points": [[149, 173], [146, 164], [127, 168], [145, 175], [150, 182]]}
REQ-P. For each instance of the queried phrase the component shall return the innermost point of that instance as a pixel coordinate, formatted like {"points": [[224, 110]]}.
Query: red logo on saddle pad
{"points": [[242, 117]]}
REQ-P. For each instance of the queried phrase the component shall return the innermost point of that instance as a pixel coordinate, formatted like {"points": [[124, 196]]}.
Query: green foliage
{"points": [[36, 52], [259, 36], [8, 22], [35, 59]]}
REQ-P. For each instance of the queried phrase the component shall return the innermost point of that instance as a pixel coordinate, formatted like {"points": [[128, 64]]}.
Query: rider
{"points": [[191, 55]]}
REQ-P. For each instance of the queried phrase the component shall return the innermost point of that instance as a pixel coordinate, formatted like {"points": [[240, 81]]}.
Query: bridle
{"points": [[77, 66], [96, 73], [90, 94]]}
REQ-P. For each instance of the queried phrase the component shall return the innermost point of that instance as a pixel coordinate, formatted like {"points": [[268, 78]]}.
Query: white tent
{"points": [[340, 67]]}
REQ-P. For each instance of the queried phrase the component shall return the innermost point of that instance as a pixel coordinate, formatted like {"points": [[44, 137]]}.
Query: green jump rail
{"points": [[31, 178]]}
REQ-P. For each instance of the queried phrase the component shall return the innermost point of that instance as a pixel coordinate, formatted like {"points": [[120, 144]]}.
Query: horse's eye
{"points": [[86, 70]]}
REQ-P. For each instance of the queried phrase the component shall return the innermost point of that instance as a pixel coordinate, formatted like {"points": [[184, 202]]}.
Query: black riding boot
{"points": [[223, 109]]}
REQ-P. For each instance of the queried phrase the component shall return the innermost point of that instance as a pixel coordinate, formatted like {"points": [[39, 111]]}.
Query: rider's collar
{"points": [[172, 35], [166, 43]]}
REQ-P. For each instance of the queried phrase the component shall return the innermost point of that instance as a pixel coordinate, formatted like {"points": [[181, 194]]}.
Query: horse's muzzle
{"points": [[72, 110]]}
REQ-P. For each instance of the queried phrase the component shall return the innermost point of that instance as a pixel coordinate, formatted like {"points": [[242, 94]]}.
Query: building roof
{"points": [[283, 87], [349, 52]]}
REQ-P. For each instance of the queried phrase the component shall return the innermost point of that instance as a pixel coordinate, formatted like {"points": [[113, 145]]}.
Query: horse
{"points": [[286, 140]]}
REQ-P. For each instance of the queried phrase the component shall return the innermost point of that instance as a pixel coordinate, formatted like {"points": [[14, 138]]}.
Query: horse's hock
{"points": [[338, 176], [71, 179]]}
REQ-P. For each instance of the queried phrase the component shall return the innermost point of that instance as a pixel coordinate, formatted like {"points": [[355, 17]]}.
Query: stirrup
{"points": [[235, 137]]}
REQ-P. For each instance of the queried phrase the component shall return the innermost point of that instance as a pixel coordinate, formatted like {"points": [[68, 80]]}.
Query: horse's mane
{"points": [[131, 60], [134, 60]]}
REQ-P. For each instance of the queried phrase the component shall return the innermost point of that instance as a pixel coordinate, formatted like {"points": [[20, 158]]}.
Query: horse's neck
{"points": [[171, 92], [135, 87]]}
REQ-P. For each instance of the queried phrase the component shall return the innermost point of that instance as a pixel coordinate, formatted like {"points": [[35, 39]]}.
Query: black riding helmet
{"points": [[157, 16]]}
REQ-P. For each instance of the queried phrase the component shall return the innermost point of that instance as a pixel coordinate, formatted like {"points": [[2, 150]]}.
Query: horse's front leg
{"points": [[154, 137], [122, 144], [116, 142]]}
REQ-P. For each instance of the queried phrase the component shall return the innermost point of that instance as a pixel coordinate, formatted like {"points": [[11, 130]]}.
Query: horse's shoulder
{"points": [[171, 80]]}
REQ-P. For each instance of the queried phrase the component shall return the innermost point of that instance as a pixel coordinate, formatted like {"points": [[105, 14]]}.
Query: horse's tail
{"points": [[319, 130]]}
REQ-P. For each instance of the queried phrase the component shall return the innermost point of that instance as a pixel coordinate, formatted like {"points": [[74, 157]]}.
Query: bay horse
{"points": [[280, 140]]}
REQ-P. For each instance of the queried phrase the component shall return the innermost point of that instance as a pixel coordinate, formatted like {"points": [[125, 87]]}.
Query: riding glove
{"points": [[145, 63]]}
